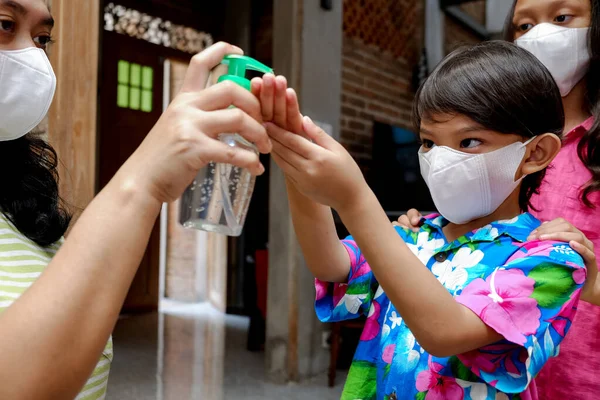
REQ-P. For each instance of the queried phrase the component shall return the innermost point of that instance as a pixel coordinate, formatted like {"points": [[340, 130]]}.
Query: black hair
{"points": [[29, 197], [589, 146], [499, 86]]}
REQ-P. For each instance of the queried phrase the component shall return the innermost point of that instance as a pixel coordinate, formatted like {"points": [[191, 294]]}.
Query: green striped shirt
{"points": [[21, 263]]}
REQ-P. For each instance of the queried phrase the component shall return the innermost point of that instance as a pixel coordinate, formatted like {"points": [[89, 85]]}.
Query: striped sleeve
{"points": [[21, 263]]}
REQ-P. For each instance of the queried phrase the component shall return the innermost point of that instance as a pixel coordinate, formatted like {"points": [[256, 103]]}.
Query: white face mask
{"points": [[467, 186], [27, 85], [564, 51]]}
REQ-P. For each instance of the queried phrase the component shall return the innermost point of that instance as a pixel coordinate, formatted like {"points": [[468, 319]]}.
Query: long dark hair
{"points": [[29, 195], [499, 86], [589, 146]]}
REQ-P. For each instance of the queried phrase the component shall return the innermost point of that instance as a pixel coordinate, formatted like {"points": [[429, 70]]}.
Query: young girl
{"points": [[466, 308], [557, 31]]}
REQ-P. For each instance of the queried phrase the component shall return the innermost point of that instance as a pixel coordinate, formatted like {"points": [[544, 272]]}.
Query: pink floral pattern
{"points": [[503, 302], [527, 292], [438, 386]]}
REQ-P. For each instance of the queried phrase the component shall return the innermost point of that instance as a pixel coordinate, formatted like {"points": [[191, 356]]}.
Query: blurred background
{"points": [[210, 317]]}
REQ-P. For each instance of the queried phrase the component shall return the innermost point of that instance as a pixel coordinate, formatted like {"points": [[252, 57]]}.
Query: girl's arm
{"points": [[441, 325], [329, 175], [324, 254]]}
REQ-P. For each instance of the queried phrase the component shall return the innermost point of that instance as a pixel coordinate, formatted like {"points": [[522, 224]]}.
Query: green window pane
{"points": [[123, 96], [136, 75], [147, 77], [147, 100], [123, 72], [135, 99]]}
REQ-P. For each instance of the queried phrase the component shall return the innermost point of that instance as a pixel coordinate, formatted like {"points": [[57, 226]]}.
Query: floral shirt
{"points": [[527, 291]]}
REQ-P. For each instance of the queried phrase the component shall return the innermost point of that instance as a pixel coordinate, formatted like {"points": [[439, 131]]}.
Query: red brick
{"points": [[355, 101], [348, 135], [356, 125], [348, 111]]}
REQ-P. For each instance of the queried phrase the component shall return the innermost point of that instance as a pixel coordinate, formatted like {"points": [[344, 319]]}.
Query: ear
{"points": [[540, 153]]}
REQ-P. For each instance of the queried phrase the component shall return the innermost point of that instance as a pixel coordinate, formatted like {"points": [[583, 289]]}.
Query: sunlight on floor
{"points": [[195, 352]]}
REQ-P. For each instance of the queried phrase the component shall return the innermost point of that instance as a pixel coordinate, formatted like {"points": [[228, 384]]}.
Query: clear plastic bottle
{"points": [[218, 199]]}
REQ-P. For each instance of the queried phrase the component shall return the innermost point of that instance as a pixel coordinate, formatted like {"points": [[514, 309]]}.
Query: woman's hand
{"points": [[562, 230], [76, 301], [412, 220], [185, 138]]}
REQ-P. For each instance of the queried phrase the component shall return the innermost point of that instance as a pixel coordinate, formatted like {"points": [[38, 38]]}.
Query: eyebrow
{"points": [[19, 9], [472, 128], [549, 3], [466, 129]]}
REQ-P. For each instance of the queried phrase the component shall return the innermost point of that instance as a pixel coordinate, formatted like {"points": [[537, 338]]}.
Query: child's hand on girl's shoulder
{"points": [[561, 230]]}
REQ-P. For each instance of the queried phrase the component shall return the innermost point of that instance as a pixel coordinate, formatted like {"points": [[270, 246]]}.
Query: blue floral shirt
{"points": [[526, 291]]}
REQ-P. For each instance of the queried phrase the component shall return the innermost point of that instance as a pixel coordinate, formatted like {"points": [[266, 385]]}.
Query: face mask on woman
{"points": [[564, 51], [27, 86]]}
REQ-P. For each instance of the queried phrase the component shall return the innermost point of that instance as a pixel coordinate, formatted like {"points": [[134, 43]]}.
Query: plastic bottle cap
{"points": [[238, 65]]}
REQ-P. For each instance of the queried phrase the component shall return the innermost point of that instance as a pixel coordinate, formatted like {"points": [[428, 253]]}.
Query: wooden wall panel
{"points": [[72, 117]]}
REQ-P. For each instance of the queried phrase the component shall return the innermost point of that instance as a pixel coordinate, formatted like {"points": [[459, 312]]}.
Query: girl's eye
{"points": [[525, 27], [427, 144], [469, 143], [43, 40], [561, 19], [7, 25]]}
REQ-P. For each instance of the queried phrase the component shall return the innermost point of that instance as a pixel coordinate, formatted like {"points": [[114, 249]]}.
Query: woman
{"points": [[56, 319], [557, 31]]}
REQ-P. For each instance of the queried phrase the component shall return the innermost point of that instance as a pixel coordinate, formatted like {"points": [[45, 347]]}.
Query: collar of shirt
{"points": [[579, 130], [517, 228]]}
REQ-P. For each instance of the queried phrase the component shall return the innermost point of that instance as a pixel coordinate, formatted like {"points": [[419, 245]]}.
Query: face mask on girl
{"points": [[467, 186], [564, 51], [27, 85]]}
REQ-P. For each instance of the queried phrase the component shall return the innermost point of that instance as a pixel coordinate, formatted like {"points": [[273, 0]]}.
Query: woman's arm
{"points": [[52, 337]]}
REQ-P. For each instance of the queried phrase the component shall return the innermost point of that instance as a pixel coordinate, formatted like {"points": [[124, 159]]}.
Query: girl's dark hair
{"points": [[29, 196], [589, 146], [499, 86]]}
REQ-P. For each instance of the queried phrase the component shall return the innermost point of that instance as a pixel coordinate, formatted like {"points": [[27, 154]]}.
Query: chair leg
{"points": [[333, 351]]}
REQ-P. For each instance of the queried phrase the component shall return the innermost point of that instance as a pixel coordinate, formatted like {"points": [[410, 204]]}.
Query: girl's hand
{"points": [[318, 166], [278, 103], [412, 220], [185, 138], [561, 230]]}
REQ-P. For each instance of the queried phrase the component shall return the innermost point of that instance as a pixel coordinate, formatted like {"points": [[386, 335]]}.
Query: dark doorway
{"points": [[131, 103]]}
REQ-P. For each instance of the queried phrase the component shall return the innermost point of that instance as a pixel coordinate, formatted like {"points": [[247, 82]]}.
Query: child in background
{"points": [[465, 308]]}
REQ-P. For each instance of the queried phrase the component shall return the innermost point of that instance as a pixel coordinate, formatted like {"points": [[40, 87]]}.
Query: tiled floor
{"points": [[194, 352]]}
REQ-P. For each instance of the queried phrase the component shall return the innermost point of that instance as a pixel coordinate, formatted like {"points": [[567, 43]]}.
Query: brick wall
{"points": [[376, 86], [381, 42]]}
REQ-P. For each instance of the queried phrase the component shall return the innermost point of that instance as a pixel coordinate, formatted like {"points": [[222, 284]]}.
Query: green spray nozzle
{"points": [[238, 65]]}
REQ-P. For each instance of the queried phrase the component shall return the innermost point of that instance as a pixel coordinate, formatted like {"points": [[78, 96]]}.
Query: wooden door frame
{"points": [[72, 120]]}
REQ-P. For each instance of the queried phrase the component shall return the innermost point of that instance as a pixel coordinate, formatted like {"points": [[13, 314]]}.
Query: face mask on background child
{"points": [[467, 186], [564, 51]]}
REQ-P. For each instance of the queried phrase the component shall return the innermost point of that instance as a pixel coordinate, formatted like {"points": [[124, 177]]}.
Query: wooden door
{"points": [[131, 94]]}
